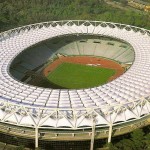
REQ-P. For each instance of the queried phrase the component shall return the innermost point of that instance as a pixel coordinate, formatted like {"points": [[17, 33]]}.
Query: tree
{"points": [[124, 2], [21, 147], [125, 144], [138, 139]]}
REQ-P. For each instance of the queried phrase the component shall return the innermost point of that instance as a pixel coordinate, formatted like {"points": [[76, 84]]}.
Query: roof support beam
{"points": [[110, 133], [93, 135], [36, 138]]}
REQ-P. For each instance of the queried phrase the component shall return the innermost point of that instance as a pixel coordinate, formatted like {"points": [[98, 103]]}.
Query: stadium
{"points": [[74, 80]]}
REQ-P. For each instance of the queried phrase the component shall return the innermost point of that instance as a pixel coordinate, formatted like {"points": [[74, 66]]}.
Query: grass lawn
{"points": [[76, 76]]}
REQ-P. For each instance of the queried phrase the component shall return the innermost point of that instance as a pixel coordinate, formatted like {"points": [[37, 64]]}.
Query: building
{"points": [[138, 4], [42, 114], [147, 8]]}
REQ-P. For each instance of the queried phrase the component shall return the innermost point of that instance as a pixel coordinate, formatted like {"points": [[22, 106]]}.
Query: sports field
{"points": [[76, 76]]}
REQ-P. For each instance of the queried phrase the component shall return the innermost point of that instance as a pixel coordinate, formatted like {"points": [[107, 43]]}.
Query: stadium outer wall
{"points": [[26, 136], [6, 103]]}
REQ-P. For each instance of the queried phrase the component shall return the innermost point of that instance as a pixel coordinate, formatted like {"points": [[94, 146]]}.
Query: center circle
{"points": [[73, 62]]}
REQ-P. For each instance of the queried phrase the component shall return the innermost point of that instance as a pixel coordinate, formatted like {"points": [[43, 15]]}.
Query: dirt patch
{"points": [[87, 60]]}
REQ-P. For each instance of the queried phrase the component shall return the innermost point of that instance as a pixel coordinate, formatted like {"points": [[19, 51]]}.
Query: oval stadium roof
{"points": [[123, 99]]}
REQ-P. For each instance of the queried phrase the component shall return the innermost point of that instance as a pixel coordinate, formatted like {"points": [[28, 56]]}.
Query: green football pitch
{"points": [[77, 76]]}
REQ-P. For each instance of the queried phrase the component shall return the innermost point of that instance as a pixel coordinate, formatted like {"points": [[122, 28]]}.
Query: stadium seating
{"points": [[122, 97]]}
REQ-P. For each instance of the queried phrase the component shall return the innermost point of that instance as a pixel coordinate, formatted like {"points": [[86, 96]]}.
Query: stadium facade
{"points": [[51, 114]]}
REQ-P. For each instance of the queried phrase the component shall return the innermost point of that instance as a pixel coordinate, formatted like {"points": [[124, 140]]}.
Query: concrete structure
{"points": [[125, 100]]}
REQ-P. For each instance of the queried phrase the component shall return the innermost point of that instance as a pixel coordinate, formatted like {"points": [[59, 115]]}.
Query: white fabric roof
{"points": [[132, 85]]}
